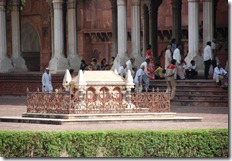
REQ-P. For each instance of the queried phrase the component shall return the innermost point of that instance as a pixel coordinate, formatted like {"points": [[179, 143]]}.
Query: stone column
{"points": [[146, 37], [58, 63], [135, 30], [114, 28], [52, 25], [122, 55], [5, 62], [151, 17], [73, 58], [207, 21], [154, 27], [193, 31], [215, 3], [17, 59], [176, 20]]}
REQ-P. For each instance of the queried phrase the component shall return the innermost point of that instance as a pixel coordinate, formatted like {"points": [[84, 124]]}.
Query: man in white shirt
{"points": [[138, 79], [177, 57], [122, 71], [168, 56], [219, 73], [145, 64], [47, 81], [207, 58], [130, 65], [145, 75], [191, 70]]}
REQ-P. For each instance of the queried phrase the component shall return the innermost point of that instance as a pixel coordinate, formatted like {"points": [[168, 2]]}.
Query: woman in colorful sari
{"points": [[151, 67]]}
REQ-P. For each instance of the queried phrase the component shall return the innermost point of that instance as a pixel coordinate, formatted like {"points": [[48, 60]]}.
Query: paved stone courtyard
{"points": [[213, 117]]}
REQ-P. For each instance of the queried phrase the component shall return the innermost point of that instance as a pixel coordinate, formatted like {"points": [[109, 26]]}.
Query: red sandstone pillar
{"points": [[5, 62]]}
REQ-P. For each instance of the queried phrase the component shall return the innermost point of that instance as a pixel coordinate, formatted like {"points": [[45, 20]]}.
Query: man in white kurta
{"points": [[47, 81], [177, 57], [138, 79], [168, 56], [130, 65]]}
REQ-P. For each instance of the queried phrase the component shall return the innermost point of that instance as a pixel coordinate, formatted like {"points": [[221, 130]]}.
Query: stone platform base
{"points": [[61, 119]]}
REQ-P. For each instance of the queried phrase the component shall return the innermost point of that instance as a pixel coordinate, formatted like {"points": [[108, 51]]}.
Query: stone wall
{"points": [[95, 28], [17, 83]]}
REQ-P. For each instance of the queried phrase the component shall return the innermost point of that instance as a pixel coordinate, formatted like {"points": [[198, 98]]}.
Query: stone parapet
{"points": [[64, 103]]}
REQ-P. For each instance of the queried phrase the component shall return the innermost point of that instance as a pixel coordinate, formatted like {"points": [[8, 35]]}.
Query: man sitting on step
{"points": [[219, 74], [191, 70]]}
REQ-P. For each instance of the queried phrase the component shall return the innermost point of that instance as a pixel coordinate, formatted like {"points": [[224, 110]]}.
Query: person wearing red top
{"points": [[151, 68], [170, 80]]}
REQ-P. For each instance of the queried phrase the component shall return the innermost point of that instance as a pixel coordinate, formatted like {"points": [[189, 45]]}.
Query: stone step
{"points": [[95, 120], [190, 91], [213, 89], [187, 86], [201, 97], [202, 92], [106, 115], [208, 103], [195, 93], [194, 82]]}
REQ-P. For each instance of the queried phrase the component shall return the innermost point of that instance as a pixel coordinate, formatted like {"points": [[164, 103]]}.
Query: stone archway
{"points": [[30, 47]]}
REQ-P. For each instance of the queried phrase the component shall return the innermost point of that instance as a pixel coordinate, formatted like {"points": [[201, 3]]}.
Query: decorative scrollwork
{"points": [[105, 101]]}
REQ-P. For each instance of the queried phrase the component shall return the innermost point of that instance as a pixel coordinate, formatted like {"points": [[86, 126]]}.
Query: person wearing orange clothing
{"points": [[151, 67], [170, 80]]}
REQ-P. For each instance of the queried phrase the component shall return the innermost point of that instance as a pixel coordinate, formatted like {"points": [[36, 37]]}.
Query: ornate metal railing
{"points": [[154, 101], [114, 102], [38, 102]]}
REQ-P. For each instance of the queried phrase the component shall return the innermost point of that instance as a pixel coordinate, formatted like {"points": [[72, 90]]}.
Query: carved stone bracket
{"points": [[99, 36]]}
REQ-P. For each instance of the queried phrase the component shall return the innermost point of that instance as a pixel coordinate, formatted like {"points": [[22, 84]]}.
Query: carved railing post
{"points": [[111, 102], [66, 81], [129, 85], [97, 97], [81, 85]]}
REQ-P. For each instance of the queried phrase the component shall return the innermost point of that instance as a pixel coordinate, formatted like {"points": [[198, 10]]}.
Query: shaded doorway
{"points": [[30, 47]]}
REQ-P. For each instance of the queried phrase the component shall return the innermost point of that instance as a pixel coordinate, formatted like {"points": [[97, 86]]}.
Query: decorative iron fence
{"points": [[110, 102]]}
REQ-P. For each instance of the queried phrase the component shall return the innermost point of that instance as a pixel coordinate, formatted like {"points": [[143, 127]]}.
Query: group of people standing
{"points": [[142, 75], [174, 68], [149, 70], [183, 71]]}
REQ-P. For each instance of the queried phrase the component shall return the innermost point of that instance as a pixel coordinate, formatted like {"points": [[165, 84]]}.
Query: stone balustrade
{"points": [[102, 103]]}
